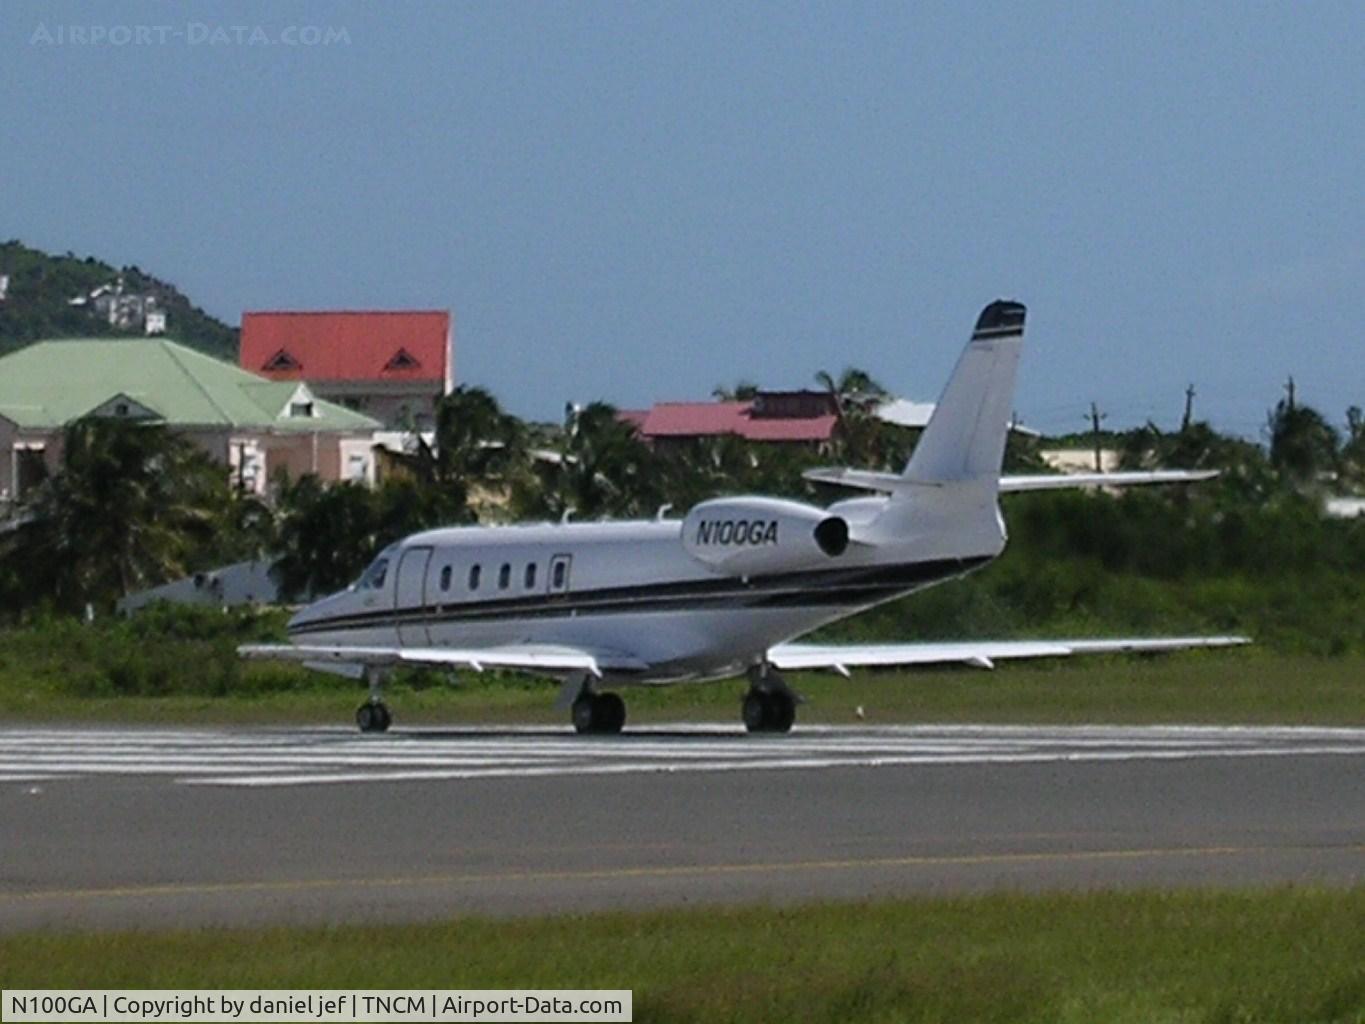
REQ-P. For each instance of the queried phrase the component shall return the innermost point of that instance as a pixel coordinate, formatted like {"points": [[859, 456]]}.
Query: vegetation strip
{"points": [[1265, 955]]}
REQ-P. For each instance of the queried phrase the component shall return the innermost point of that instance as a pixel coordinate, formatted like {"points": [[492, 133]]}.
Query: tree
{"points": [[1303, 445], [327, 536], [743, 391], [128, 509], [862, 439], [478, 447], [602, 469]]}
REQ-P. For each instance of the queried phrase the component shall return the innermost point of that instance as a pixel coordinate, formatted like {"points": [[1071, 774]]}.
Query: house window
{"points": [[475, 571], [530, 575], [445, 578], [504, 576], [297, 409]]}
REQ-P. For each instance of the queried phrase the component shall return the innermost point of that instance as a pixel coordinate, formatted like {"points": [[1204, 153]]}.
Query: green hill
{"points": [[37, 303]]}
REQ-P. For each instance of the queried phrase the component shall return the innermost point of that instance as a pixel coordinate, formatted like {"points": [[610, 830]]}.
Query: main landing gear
{"points": [[373, 715], [592, 713], [598, 712], [770, 704]]}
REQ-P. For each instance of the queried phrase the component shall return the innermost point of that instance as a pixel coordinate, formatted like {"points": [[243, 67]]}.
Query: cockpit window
{"points": [[375, 575]]}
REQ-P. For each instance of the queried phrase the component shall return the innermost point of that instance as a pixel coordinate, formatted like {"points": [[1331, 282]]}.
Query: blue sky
{"points": [[639, 202]]}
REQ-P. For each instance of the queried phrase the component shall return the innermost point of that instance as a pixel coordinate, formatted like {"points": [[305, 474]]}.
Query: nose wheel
{"points": [[373, 716], [599, 713]]}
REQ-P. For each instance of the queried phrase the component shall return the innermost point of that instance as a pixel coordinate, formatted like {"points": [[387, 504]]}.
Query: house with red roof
{"points": [[775, 417], [390, 365]]}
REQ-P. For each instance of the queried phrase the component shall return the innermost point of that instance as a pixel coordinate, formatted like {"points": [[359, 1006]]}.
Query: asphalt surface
{"points": [[156, 828]]}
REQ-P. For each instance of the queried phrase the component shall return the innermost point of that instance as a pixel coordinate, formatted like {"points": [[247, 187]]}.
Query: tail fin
{"points": [[965, 437]]}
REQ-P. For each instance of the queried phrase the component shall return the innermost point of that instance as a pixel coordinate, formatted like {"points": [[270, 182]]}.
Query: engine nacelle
{"points": [[743, 536]]}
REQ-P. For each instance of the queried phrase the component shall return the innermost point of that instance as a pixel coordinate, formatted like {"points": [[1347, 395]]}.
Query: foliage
{"points": [[602, 470], [128, 509], [1202, 560], [1282, 954], [1303, 445], [163, 650], [41, 286]]}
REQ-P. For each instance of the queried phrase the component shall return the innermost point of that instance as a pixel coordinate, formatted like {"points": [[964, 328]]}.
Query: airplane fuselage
{"points": [[627, 587]]}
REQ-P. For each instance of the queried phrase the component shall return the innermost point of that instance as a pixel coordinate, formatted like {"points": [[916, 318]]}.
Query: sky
{"points": [[640, 202]]}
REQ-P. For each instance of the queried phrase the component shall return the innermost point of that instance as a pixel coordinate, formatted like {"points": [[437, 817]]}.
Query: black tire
{"points": [[611, 712], [367, 718], [781, 712], [584, 714], [385, 718], [755, 711]]}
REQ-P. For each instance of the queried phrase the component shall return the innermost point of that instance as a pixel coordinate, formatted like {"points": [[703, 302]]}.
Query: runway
{"points": [[130, 827]]}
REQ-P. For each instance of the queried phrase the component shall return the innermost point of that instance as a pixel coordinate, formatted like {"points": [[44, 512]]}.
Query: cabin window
{"points": [[560, 569], [474, 572], [504, 576], [445, 578], [530, 575], [374, 575]]}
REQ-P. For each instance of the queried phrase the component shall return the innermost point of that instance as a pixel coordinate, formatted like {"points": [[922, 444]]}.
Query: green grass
{"points": [[1212, 687], [179, 665], [1275, 955]]}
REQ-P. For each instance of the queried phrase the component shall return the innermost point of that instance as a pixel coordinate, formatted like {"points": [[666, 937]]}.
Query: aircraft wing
{"points": [[889, 483], [983, 654], [539, 659]]}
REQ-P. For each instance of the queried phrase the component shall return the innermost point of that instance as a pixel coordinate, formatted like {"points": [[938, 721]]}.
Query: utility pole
{"points": [[1289, 391], [1189, 409], [1096, 417]]}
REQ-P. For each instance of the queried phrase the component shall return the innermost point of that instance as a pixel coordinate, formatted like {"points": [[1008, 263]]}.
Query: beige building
{"points": [[253, 426]]}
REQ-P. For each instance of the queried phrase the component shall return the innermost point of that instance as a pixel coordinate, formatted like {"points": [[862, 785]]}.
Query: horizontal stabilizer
{"points": [[979, 654], [890, 483], [1051, 482]]}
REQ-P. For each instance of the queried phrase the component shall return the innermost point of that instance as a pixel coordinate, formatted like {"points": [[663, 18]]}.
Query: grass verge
{"points": [[1207, 687], [1273, 955]]}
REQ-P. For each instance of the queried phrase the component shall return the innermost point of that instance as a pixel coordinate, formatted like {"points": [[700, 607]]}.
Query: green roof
{"points": [[52, 383]]}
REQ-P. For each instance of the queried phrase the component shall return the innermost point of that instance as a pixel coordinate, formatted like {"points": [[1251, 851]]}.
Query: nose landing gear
{"points": [[373, 715]]}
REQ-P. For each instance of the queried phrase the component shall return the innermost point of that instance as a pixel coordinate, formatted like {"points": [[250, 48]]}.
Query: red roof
{"points": [[709, 419], [367, 345]]}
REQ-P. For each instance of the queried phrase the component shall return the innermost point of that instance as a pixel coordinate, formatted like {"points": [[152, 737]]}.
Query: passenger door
{"points": [[410, 597]]}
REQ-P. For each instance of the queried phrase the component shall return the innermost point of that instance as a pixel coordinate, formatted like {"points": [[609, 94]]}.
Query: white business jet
{"points": [[723, 591]]}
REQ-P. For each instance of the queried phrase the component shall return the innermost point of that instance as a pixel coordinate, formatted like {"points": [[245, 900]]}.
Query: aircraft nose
{"points": [[300, 618]]}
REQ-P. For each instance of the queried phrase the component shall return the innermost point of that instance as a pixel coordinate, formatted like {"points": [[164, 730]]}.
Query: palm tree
{"points": [[129, 507], [743, 391], [856, 396], [1303, 445], [327, 536], [602, 469], [478, 447]]}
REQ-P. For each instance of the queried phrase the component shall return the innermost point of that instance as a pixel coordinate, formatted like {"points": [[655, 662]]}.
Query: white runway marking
{"points": [[295, 757]]}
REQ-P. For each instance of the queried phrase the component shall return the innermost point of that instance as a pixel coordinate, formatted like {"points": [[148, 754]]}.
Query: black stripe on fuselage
{"points": [[813, 588]]}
